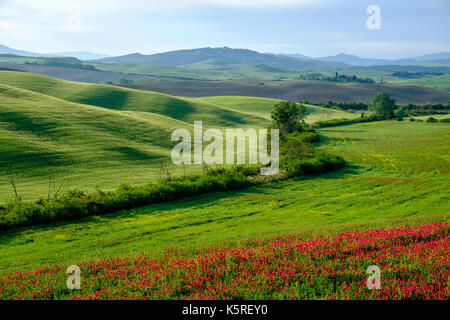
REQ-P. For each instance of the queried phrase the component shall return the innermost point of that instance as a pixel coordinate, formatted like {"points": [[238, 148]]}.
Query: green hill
{"points": [[89, 136], [223, 57], [117, 98], [86, 146], [262, 107]]}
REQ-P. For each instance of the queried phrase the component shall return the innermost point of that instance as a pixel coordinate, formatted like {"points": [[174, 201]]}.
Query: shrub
{"points": [[344, 121]]}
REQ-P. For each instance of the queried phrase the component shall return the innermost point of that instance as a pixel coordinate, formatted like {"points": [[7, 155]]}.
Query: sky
{"points": [[311, 27]]}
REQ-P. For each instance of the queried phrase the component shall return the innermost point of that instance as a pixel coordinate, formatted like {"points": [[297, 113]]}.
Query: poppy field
{"points": [[414, 263]]}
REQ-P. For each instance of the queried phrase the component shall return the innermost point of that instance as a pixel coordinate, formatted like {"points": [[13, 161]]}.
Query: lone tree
{"points": [[382, 105], [286, 115]]}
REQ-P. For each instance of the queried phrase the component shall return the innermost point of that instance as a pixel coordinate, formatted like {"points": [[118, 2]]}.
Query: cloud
{"points": [[19, 15], [258, 3], [139, 5]]}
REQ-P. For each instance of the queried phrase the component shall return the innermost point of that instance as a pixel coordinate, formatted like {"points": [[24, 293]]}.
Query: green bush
{"points": [[344, 121]]}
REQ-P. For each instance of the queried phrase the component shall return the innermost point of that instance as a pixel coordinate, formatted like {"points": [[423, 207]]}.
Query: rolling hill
{"points": [[91, 135], [437, 59], [83, 55], [116, 98], [73, 74], [100, 136], [224, 57], [263, 107]]}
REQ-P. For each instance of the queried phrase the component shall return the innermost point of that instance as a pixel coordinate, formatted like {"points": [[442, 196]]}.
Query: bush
{"points": [[344, 121], [311, 166], [445, 120], [432, 120]]}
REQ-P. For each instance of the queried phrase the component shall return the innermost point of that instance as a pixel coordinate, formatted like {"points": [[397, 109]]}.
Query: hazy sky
{"points": [[312, 27]]}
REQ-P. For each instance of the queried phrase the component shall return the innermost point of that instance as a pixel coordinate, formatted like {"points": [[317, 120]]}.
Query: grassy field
{"points": [[438, 82], [115, 98], [263, 107], [91, 136], [398, 174]]}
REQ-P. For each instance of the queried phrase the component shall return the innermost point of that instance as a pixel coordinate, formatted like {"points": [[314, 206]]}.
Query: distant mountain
{"points": [[354, 60], [295, 55], [5, 49], [438, 59], [241, 58], [433, 56], [82, 55], [223, 57]]}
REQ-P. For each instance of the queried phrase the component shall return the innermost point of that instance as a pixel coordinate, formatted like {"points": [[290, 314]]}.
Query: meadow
{"points": [[413, 259], [98, 136], [91, 137], [398, 174]]}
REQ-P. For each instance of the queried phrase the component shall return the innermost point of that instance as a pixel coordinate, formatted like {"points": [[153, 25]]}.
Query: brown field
{"points": [[73, 74], [313, 91]]}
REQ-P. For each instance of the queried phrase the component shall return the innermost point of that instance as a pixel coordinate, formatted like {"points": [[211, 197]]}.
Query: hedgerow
{"points": [[344, 121]]}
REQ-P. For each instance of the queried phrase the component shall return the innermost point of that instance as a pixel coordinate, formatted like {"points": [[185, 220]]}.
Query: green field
{"points": [[438, 82], [98, 136], [262, 107], [398, 174], [91, 136]]}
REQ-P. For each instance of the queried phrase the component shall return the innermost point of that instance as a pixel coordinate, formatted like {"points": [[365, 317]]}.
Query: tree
{"points": [[125, 81], [400, 114], [286, 116], [382, 105]]}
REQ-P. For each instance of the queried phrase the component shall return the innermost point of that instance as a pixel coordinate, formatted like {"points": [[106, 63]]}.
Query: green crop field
{"points": [[262, 107], [398, 174]]}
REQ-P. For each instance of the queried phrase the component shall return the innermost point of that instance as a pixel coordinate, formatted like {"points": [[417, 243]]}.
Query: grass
{"points": [[263, 107], [91, 136], [438, 82], [399, 174], [122, 99], [412, 261]]}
